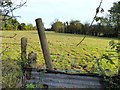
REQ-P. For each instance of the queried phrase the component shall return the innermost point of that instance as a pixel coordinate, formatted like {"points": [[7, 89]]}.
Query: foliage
{"points": [[109, 59], [112, 83], [115, 45], [29, 27], [9, 21], [106, 63], [114, 16], [75, 27], [22, 26], [11, 72], [30, 86], [11, 24], [102, 29], [112, 20], [58, 26]]}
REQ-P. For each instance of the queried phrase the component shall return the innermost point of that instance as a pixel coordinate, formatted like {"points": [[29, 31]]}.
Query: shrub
{"points": [[11, 73]]}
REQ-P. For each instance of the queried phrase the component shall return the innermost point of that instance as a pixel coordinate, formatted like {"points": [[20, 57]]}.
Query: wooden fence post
{"points": [[23, 48], [32, 57], [43, 41]]}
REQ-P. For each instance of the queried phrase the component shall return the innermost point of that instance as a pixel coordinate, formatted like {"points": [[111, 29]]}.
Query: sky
{"points": [[63, 10]]}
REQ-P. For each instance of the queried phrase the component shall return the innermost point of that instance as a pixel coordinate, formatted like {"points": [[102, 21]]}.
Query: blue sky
{"points": [[63, 10]]}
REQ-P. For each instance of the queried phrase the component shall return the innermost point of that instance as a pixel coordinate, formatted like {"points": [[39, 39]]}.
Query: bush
{"points": [[11, 73]]}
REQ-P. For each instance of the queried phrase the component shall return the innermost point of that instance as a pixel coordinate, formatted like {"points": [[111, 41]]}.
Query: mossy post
{"points": [[23, 48], [44, 45]]}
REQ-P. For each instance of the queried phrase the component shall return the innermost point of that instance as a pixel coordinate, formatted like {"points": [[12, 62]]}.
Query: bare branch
{"points": [[97, 11], [18, 6], [7, 10]]}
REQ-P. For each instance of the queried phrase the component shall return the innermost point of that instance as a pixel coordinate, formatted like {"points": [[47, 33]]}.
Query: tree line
{"points": [[107, 26], [13, 24]]}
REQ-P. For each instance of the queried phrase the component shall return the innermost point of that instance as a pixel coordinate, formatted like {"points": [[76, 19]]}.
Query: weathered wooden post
{"points": [[23, 55], [0, 51], [43, 41], [23, 48], [32, 57]]}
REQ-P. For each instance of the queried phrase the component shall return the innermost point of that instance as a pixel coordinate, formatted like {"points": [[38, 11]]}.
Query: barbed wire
{"points": [[11, 43], [9, 36], [33, 47], [4, 50], [8, 45]]}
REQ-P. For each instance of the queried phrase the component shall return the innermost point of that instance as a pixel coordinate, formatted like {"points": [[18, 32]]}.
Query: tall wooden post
{"points": [[0, 20], [43, 41], [23, 48], [0, 63]]}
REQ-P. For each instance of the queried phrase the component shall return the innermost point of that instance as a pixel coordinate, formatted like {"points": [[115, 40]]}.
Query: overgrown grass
{"points": [[63, 50], [11, 73]]}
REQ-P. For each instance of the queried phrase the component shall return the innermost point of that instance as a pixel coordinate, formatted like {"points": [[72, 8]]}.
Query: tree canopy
{"points": [[115, 14]]}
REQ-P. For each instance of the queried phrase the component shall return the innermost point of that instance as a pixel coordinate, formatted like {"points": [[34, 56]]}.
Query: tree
{"points": [[115, 14], [85, 28], [112, 20], [29, 27], [6, 13], [8, 6], [58, 26], [10, 24], [15, 24], [75, 27], [22, 26]]}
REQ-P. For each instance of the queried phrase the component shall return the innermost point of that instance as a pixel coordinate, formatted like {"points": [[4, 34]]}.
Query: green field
{"points": [[63, 50]]}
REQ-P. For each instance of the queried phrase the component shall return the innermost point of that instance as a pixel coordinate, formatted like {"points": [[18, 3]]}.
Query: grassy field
{"points": [[63, 50]]}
